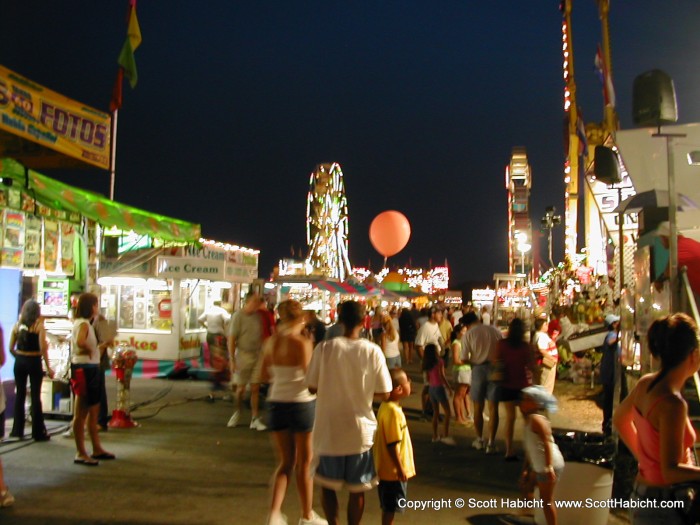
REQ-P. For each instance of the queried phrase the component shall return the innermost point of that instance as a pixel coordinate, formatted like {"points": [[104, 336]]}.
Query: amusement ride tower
{"points": [[327, 223], [518, 184]]}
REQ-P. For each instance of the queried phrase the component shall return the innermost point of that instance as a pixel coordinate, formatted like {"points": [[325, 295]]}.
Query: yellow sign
{"points": [[34, 113]]}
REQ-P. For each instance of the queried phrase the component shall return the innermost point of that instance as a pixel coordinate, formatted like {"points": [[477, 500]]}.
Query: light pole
{"points": [[549, 221]]}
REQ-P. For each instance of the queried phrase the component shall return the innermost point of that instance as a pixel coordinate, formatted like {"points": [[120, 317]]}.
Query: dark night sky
{"points": [[420, 102]]}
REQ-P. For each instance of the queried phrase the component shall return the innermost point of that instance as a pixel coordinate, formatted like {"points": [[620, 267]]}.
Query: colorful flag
{"points": [[604, 75], [133, 41], [116, 102]]}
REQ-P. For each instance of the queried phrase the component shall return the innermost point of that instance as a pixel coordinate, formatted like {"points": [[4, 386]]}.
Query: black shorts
{"points": [[93, 382], [390, 493], [296, 417], [507, 394]]}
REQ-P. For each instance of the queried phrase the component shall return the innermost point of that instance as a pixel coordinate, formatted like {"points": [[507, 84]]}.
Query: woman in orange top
{"points": [[653, 420]]}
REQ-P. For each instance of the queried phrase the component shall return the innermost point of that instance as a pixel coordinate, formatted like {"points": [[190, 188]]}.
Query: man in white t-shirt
{"points": [[347, 373], [430, 332]]}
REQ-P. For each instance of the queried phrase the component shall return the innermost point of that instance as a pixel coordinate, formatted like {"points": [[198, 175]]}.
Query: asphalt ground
{"points": [[182, 465]]}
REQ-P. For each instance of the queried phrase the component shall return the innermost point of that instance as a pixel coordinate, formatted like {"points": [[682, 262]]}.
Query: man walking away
{"points": [[347, 373], [478, 346]]}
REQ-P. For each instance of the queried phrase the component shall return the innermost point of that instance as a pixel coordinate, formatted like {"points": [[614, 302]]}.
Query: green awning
{"points": [[61, 196]]}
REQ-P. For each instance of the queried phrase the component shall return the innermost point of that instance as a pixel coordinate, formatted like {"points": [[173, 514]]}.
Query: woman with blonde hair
{"points": [[390, 343], [28, 345], [291, 411], [85, 379]]}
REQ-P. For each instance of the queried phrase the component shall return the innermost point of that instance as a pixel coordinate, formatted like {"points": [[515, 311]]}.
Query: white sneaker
{"points": [[448, 440], [234, 419], [68, 434], [491, 449], [478, 444], [257, 424], [7, 499], [277, 519], [315, 520]]}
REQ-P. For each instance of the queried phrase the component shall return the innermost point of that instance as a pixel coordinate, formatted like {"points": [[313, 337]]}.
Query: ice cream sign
{"points": [[190, 268]]}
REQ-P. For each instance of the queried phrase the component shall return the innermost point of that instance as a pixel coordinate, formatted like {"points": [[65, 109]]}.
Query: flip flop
{"points": [[104, 455], [86, 462]]}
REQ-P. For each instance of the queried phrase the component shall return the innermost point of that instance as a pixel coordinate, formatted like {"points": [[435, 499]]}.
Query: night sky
{"points": [[420, 102]]}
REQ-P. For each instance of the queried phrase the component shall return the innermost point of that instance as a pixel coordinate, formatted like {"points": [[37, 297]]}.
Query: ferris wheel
{"points": [[327, 222]]}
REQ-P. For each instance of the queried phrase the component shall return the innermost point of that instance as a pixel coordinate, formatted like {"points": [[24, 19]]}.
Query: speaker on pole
{"points": [[606, 165], [654, 99]]}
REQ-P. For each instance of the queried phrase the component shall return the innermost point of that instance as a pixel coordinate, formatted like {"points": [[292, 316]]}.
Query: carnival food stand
{"points": [[156, 296]]}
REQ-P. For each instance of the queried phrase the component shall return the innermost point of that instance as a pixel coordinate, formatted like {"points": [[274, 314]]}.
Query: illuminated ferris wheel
{"points": [[327, 222]]}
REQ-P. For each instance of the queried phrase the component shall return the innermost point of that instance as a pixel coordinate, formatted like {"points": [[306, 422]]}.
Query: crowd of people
{"points": [[325, 382]]}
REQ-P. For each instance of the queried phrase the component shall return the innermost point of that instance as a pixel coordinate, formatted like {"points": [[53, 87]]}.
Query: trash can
{"points": [[587, 478]]}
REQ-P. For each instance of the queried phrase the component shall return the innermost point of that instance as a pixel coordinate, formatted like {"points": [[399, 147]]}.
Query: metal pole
{"points": [[621, 220], [113, 157], [673, 232]]}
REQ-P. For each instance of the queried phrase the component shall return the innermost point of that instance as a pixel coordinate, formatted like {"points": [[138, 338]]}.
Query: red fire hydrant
{"points": [[123, 362]]}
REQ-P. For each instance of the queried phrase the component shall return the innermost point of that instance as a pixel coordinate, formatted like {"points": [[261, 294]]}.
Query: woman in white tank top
{"points": [[291, 410]]}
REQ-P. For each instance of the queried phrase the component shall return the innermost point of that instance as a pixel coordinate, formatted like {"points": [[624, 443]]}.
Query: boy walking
{"points": [[393, 451]]}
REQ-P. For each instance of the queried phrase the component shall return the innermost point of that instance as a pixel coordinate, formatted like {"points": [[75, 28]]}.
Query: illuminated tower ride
{"points": [[327, 223], [518, 184]]}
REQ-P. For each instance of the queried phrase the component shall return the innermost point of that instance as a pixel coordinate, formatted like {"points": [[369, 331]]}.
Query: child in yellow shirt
{"points": [[393, 451]]}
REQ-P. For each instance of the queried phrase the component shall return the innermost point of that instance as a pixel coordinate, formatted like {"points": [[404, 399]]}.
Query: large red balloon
{"points": [[389, 232]]}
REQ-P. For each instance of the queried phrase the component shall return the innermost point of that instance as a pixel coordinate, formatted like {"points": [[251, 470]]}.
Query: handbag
{"points": [[548, 361], [689, 494]]}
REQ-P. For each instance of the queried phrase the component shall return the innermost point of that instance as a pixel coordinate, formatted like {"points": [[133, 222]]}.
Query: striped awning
{"points": [[344, 288]]}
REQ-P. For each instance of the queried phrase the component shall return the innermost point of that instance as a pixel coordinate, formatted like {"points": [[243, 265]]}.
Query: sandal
{"points": [[87, 462]]}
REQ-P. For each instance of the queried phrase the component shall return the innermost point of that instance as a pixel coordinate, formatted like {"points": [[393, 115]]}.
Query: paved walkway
{"points": [[183, 466]]}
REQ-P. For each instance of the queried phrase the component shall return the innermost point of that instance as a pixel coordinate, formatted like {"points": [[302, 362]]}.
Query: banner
{"points": [[51, 246], [67, 239], [45, 118], [32, 243], [13, 239]]}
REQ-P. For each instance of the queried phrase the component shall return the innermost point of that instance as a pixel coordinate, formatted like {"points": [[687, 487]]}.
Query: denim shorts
{"points": [[355, 472], [393, 362], [438, 394], [390, 493], [482, 389], [295, 417]]}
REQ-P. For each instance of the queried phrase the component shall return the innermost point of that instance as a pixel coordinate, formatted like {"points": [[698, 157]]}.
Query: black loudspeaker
{"points": [[654, 99], [111, 247], [606, 165]]}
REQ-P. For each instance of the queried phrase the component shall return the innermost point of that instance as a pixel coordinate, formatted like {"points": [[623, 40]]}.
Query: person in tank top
{"points": [[291, 411], [653, 420]]}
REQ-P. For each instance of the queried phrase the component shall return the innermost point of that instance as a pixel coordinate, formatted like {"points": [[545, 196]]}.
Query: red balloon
{"points": [[389, 232]]}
